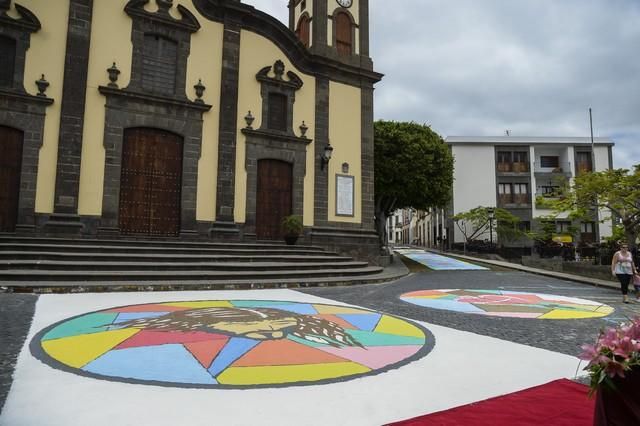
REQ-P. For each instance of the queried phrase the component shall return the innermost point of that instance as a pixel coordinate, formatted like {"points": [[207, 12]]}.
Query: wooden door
{"points": [[10, 166], [274, 197], [150, 183]]}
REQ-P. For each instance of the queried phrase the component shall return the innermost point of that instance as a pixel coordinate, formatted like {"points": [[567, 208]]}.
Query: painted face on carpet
{"points": [[231, 343], [502, 303]]}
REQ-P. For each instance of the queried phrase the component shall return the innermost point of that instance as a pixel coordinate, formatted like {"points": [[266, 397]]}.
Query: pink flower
{"points": [[614, 369]]}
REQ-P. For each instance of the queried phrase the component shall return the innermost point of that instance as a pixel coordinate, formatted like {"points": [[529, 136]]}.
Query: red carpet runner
{"points": [[558, 403]]}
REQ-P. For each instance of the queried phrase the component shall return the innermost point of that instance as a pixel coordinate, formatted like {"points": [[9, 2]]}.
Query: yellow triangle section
{"points": [[77, 351], [392, 325], [202, 304], [288, 373], [566, 314], [326, 309]]}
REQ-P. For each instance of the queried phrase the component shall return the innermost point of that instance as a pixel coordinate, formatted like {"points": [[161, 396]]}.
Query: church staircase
{"points": [[55, 264]]}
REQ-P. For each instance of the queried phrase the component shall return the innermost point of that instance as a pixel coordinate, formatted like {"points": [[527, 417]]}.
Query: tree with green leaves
{"points": [[477, 222], [413, 168], [616, 191]]}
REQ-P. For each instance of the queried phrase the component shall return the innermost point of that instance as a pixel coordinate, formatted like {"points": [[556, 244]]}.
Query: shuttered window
{"points": [[344, 39], [277, 118], [159, 60], [8, 62], [303, 30]]}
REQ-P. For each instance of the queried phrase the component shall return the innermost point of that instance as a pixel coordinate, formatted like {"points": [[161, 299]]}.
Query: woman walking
{"points": [[623, 267]]}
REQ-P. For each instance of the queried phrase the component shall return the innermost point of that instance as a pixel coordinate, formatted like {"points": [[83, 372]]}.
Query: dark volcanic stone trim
{"points": [[319, 37], [225, 187], [364, 27], [19, 30], [260, 147], [27, 114], [321, 181], [278, 85], [72, 107], [367, 159], [123, 111]]}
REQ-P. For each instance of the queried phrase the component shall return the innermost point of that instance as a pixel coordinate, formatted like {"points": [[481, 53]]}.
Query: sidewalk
{"points": [[560, 275]]}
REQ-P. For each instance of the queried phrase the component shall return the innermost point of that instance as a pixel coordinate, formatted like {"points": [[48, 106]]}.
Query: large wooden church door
{"points": [[150, 184], [10, 166], [274, 197]]}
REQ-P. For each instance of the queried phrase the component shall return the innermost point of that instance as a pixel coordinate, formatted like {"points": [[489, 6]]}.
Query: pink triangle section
{"points": [[206, 351], [154, 338], [374, 356]]}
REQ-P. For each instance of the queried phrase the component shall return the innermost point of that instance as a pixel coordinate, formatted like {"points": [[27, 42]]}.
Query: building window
{"points": [[520, 188], [549, 161], [563, 226], [504, 188], [344, 42], [277, 118], [524, 226], [303, 5], [583, 162], [303, 30], [8, 63], [159, 60], [520, 157], [549, 190], [586, 227]]}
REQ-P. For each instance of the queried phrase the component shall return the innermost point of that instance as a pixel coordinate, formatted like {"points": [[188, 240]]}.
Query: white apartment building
{"points": [[510, 172]]}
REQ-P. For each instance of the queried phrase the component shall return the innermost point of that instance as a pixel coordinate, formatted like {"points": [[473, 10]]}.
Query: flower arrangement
{"points": [[616, 351]]}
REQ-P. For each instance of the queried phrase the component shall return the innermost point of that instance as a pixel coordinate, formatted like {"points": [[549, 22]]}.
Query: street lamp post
{"points": [[490, 214]]}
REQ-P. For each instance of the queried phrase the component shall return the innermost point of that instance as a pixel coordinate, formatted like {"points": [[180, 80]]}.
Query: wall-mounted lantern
{"points": [[326, 155]]}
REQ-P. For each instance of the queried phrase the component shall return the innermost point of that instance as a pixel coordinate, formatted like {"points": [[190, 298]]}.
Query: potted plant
{"points": [[292, 228], [614, 369]]}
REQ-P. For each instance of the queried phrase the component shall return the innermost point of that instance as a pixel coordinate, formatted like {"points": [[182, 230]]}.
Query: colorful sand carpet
{"points": [[557, 403], [438, 262]]}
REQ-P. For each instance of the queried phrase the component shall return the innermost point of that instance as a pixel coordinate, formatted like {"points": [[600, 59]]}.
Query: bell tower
{"points": [[333, 28]]}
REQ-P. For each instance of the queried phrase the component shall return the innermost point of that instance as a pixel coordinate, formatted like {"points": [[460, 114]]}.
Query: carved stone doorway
{"points": [[11, 141], [274, 197]]}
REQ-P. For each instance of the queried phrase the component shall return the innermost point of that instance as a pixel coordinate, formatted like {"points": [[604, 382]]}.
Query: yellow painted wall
{"points": [[46, 55], [111, 41], [345, 136], [257, 52], [205, 62]]}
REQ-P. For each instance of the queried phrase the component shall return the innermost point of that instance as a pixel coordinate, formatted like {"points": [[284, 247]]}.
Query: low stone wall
{"points": [[585, 269]]}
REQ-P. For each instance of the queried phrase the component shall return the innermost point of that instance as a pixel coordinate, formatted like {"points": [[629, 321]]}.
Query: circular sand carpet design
{"points": [[501, 303], [231, 343]]}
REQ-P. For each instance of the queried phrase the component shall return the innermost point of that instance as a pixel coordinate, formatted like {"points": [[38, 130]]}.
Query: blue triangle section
{"points": [[166, 363], [234, 349], [298, 308], [365, 322]]}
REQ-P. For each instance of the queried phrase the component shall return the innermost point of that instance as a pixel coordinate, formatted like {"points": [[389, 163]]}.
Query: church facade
{"points": [[187, 119]]}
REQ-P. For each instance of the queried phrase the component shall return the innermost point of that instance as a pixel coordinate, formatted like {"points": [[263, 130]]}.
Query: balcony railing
{"points": [[562, 168], [513, 167], [505, 200]]}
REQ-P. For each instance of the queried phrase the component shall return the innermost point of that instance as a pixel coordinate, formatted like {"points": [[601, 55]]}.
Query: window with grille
{"points": [[504, 157], [549, 161], [8, 62], [159, 61], [344, 39], [277, 118], [520, 188], [520, 157]]}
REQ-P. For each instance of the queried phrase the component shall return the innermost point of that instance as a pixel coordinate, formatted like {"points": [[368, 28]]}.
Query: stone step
{"points": [[169, 267], [8, 240], [136, 276], [159, 257], [221, 249]]}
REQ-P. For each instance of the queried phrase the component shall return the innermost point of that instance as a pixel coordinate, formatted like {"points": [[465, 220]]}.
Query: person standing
{"points": [[623, 267]]}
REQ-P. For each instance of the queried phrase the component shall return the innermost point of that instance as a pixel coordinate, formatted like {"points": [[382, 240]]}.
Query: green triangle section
{"points": [[86, 324], [370, 338]]}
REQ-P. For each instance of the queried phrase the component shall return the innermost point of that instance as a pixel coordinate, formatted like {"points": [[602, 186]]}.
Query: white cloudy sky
{"points": [[470, 67]]}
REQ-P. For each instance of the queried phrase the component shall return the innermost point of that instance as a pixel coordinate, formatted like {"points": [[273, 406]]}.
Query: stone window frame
{"points": [[334, 29], [19, 30], [162, 24], [278, 85]]}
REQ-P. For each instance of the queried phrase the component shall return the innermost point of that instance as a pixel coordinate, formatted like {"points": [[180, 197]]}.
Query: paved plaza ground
{"points": [[415, 359]]}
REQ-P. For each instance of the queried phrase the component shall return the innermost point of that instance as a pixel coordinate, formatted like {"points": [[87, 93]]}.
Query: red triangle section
{"points": [[154, 338], [205, 352], [147, 308], [285, 352], [335, 319]]}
